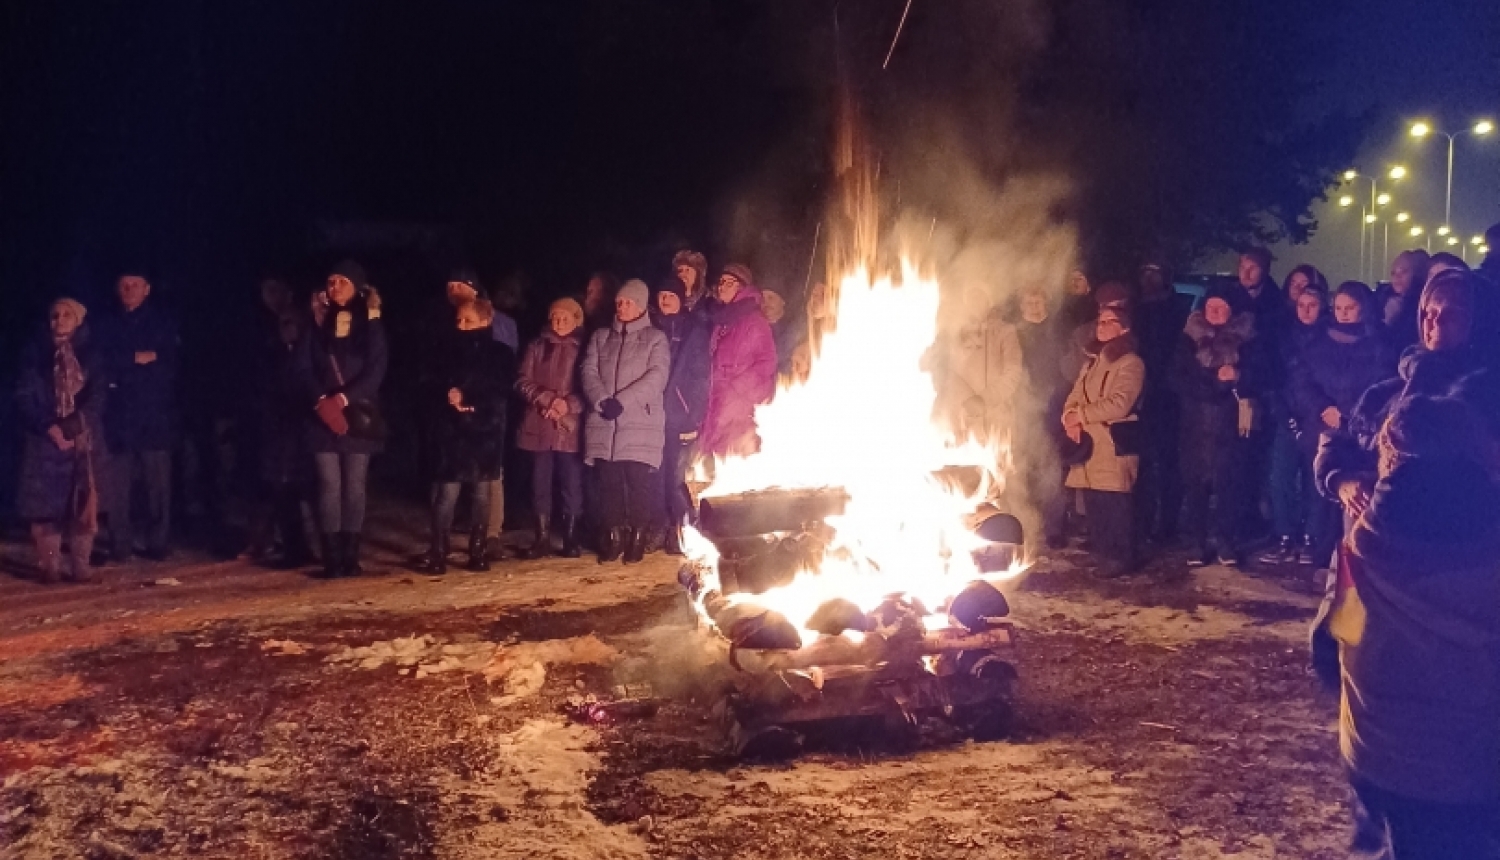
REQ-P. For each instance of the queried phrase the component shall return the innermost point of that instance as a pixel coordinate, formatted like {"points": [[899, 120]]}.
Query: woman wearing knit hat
{"points": [[548, 382], [342, 364], [624, 373], [60, 396], [1219, 373], [743, 370]]}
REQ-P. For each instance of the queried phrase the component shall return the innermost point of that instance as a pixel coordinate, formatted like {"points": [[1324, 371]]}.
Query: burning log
{"points": [[838, 615], [873, 649], [980, 606], [768, 512], [759, 564]]}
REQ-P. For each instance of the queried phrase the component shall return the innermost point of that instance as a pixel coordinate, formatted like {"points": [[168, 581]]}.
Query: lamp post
{"points": [[1395, 172], [1479, 129]]}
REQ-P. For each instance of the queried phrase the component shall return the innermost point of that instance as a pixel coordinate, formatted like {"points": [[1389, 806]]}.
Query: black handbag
{"points": [[1128, 438], [365, 419]]}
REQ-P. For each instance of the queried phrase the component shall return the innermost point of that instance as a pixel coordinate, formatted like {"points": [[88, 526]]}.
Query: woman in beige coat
{"points": [[1103, 406]]}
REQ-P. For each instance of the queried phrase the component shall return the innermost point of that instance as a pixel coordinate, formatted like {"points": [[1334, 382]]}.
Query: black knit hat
{"points": [[351, 270], [466, 275], [1233, 295]]}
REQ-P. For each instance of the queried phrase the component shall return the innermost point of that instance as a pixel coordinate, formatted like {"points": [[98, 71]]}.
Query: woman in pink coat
{"points": [[742, 366]]}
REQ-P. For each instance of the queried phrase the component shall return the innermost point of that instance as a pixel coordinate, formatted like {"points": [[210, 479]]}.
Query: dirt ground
{"points": [[211, 709]]}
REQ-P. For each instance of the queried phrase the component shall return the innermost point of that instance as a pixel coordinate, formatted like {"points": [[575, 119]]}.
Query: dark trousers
{"points": [[154, 470], [1158, 487], [445, 505], [1226, 484], [1112, 525], [567, 470], [341, 490], [625, 493], [278, 507], [1392, 827], [672, 503]]}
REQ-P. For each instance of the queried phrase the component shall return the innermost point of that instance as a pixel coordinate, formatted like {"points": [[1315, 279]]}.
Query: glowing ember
{"points": [[863, 421]]}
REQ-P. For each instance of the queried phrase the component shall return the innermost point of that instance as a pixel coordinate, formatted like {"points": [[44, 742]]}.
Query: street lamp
{"points": [[1416, 231], [1395, 172], [1403, 217], [1346, 201], [1443, 230], [1452, 240], [1422, 129]]}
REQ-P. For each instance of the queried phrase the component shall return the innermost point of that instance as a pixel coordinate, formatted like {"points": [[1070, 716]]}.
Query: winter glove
{"points": [[611, 409], [331, 412]]}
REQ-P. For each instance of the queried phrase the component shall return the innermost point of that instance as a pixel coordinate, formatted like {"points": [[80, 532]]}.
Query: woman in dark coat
{"points": [[1292, 493], [1328, 378], [1396, 302], [342, 364], [552, 425], [281, 449], [59, 397], [686, 402], [1220, 373], [466, 393]]}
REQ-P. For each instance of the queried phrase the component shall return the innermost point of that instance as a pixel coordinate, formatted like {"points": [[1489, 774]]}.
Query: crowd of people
{"points": [[614, 407], [1352, 430]]}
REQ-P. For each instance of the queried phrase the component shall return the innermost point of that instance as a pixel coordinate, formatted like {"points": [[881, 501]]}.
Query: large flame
{"points": [[863, 420]]}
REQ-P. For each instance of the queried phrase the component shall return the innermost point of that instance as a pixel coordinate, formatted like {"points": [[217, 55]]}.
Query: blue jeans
{"points": [[1293, 494], [341, 490]]}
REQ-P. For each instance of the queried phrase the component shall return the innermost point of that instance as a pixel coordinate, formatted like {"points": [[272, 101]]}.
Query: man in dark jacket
{"points": [[142, 342], [686, 401], [1267, 305], [1160, 315]]}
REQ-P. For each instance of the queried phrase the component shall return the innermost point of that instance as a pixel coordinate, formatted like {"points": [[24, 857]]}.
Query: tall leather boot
{"points": [[611, 545], [570, 547], [333, 556], [80, 547], [635, 545], [435, 560], [478, 562], [350, 560], [542, 546]]}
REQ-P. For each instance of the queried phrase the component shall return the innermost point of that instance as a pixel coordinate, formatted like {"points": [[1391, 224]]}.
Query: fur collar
{"points": [[1219, 346]]}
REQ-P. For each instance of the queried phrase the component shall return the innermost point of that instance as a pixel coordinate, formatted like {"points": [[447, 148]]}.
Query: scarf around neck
{"points": [[67, 377]]}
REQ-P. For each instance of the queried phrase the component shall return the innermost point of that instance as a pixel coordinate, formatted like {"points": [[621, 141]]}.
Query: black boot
{"points": [[570, 548], [635, 545], [333, 565], [674, 540], [350, 560], [435, 560], [611, 545], [542, 546], [478, 563]]}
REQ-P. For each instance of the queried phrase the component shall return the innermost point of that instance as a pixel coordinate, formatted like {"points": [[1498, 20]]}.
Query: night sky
{"points": [[212, 142]]}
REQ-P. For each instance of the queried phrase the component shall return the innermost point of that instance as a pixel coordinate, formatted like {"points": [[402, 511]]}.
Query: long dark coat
{"points": [[1332, 371], [361, 357], [469, 446], [1350, 453], [686, 398], [1210, 408], [142, 413], [280, 406], [47, 473]]}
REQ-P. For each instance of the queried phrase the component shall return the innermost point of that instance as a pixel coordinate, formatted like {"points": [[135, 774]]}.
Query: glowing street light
{"points": [[1423, 129], [1484, 249], [1453, 240], [1416, 231], [1383, 199], [1443, 230], [1349, 175], [1370, 218], [1477, 240], [1346, 201], [1403, 217], [1398, 172]]}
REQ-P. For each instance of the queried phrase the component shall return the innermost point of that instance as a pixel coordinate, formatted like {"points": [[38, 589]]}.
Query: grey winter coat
{"points": [[628, 362]]}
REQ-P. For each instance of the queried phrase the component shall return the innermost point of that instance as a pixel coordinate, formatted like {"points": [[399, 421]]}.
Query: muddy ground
{"points": [[208, 709]]}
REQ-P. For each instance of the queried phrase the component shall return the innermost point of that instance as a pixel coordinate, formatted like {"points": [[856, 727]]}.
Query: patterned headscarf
{"points": [[67, 373]]}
